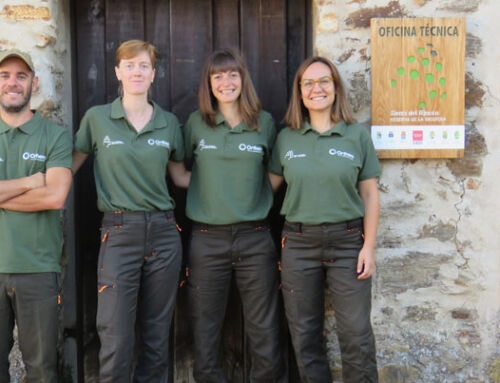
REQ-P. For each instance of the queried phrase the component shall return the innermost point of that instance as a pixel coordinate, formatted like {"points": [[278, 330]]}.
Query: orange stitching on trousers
{"points": [[105, 237], [104, 287]]}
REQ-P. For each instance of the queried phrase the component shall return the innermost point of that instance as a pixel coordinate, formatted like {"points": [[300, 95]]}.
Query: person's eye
{"points": [[235, 74], [307, 83], [324, 81], [216, 77]]}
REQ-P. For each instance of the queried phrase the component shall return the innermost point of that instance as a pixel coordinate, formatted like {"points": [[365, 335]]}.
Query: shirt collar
{"points": [[27, 127], [221, 120], [157, 120], [339, 128]]}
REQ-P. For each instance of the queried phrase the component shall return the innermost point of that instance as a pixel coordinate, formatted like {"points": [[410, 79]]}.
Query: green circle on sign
{"points": [[421, 50], [443, 95], [393, 83], [401, 71], [429, 77], [411, 59], [432, 94], [422, 105], [439, 66], [414, 74], [425, 62], [442, 81]]}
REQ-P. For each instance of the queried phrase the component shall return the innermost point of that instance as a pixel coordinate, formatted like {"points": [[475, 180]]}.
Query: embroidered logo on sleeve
{"points": [[290, 155], [203, 146], [107, 142]]}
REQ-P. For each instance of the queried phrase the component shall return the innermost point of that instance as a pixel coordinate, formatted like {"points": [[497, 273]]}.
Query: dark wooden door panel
{"points": [[157, 29], [124, 21], [274, 38], [191, 25]]}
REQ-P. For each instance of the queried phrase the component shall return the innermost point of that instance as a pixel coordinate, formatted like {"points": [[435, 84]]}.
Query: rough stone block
{"points": [[413, 271], [473, 46], [25, 12], [418, 313], [396, 374], [443, 232], [460, 6], [361, 18], [474, 92]]}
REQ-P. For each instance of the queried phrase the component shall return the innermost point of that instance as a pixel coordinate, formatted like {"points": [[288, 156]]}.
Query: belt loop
{"points": [[118, 219], [299, 227]]}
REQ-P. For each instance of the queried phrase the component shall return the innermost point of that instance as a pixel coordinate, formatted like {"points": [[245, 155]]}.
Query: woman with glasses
{"points": [[229, 141], [134, 142], [331, 208]]}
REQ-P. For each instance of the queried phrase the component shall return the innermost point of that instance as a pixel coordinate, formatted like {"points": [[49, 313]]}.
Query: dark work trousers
{"points": [[247, 251], [33, 301], [138, 271], [311, 256]]}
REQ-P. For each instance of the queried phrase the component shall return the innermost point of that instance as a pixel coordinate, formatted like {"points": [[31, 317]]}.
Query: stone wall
{"points": [[436, 290], [436, 309], [41, 27]]}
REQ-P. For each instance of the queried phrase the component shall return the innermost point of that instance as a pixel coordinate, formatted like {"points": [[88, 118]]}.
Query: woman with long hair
{"points": [[134, 142], [331, 208], [229, 141]]}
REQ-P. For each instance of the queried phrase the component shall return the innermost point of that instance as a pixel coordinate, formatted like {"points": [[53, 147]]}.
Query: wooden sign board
{"points": [[418, 87]]}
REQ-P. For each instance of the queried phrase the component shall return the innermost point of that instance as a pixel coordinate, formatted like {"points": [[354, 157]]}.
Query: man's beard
{"points": [[19, 107]]}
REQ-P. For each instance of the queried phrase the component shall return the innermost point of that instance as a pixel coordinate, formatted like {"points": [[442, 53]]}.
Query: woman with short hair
{"points": [[134, 142]]}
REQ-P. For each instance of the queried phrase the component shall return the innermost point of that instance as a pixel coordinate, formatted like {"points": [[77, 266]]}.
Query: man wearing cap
{"points": [[35, 177]]}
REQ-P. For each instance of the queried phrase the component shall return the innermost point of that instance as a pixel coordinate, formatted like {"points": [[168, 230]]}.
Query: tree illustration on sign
{"points": [[424, 66]]}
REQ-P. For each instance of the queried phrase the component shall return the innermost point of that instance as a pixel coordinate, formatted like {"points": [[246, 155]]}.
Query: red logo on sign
{"points": [[418, 136]]}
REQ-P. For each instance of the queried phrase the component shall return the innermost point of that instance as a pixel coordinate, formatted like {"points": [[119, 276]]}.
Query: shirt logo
{"points": [[34, 157], [340, 153], [154, 142], [204, 146], [250, 148], [290, 154], [107, 142]]}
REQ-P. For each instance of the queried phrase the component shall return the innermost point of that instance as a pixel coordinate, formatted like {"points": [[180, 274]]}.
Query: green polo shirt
{"points": [[130, 167], [31, 242], [322, 172], [229, 181]]}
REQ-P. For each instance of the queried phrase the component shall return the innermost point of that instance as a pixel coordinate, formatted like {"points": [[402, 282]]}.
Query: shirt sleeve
{"points": [[83, 138], [275, 165], [188, 136], [177, 152], [371, 165], [270, 131], [60, 154]]}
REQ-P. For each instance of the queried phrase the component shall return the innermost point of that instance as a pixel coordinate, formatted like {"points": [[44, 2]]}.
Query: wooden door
{"points": [[274, 37]]}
